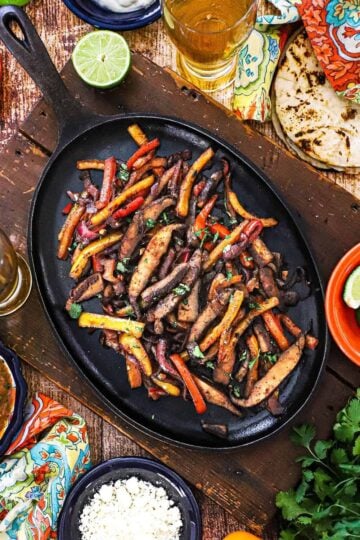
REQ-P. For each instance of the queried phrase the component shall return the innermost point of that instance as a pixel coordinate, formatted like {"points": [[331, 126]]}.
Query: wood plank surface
{"points": [[256, 472]]}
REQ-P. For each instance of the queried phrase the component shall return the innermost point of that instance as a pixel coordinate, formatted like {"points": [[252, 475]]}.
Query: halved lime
{"points": [[102, 58], [351, 293]]}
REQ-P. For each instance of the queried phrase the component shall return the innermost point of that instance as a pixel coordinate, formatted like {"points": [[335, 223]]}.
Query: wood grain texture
{"points": [[252, 471], [60, 29], [243, 482], [107, 442]]}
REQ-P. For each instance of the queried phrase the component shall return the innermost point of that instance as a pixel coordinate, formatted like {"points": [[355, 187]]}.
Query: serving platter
{"points": [[328, 215], [171, 418]]}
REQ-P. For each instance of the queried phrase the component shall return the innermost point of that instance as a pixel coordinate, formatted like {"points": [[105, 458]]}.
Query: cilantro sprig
{"points": [[326, 503]]}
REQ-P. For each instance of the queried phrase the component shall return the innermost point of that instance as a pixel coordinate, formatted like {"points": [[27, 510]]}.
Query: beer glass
{"points": [[207, 35], [15, 277]]}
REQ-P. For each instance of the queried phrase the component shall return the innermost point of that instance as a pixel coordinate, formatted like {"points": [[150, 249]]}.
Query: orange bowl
{"points": [[340, 318]]}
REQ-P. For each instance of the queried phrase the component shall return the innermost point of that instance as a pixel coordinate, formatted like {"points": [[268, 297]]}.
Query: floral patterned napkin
{"points": [[333, 27], [43, 462]]}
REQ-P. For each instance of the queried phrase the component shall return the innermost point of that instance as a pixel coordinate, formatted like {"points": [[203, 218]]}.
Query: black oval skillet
{"points": [[84, 135]]}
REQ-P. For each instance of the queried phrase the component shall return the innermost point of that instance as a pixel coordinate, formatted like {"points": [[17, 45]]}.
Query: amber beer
{"points": [[207, 35], [15, 277]]}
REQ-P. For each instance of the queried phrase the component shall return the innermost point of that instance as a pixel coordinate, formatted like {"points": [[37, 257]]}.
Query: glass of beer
{"points": [[15, 278], [208, 35]]}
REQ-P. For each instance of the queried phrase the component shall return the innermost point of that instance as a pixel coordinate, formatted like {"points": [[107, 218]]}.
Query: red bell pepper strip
{"points": [[185, 256], [200, 221], [108, 180], [67, 209], [199, 187], [129, 208], [144, 149], [97, 266], [245, 260], [217, 228], [190, 384]]}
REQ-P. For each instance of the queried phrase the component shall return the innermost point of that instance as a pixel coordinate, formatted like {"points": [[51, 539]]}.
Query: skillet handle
{"points": [[31, 53]]}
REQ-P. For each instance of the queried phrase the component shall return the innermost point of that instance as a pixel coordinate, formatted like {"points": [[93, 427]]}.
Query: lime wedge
{"points": [[351, 293], [102, 58]]}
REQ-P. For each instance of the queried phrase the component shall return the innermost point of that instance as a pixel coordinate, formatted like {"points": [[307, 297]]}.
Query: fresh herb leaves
{"points": [[75, 310], [326, 503], [181, 289], [197, 352], [123, 173], [150, 223]]}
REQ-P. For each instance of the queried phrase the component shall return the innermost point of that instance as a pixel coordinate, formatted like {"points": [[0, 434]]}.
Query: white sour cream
{"points": [[124, 6]]}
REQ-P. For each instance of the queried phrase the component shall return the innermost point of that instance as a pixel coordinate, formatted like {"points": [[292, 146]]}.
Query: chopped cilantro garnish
{"points": [[229, 274], [150, 223], [253, 361], [120, 267], [181, 289], [75, 310], [243, 356], [216, 237], [210, 364], [235, 388], [253, 305], [123, 173], [272, 358], [197, 352]]}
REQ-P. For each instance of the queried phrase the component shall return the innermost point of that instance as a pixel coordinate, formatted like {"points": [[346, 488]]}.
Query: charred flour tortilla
{"points": [[313, 121]]}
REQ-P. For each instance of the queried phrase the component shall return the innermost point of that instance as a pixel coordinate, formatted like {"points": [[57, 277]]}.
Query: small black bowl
{"points": [[16, 421], [122, 468], [92, 13]]}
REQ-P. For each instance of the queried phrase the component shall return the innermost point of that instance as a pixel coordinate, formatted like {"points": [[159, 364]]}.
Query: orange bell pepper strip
{"points": [[219, 229], [68, 229], [144, 149], [311, 342], [106, 212], [274, 326], [200, 221], [239, 209], [232, 238], [196, 396], [108, 181], [182, 208]]}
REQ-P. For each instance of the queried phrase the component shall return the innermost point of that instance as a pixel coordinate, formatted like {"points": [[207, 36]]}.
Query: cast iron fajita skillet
{"points": [[84, 135]]}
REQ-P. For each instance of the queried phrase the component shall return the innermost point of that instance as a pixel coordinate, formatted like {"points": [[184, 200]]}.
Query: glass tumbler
{"points": [[15, 277], [207, 35]]}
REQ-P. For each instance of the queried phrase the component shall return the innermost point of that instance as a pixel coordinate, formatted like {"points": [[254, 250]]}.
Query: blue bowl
{"points": [[122, 468], [21, 392], [92, 13]]}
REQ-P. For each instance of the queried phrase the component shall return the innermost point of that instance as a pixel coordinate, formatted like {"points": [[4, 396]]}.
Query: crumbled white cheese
{"points": [[130, 509]]}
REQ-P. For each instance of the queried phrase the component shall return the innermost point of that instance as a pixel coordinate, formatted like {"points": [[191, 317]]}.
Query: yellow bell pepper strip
{"points": [[182, 208], [198, 400], [200, 221], [133, 346], [97, 164], [261, 308], [169, 388], [232, 238], [68, 229], [144, 149], [137, 134], [106, 322], [239, 209], [233, 308], [80, 262], [106, 212]]}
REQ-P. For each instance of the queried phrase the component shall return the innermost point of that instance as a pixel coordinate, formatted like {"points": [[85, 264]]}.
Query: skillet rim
{"points": [[203, 132]]}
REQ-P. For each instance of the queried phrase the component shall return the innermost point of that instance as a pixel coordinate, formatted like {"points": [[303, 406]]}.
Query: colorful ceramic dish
{"points": [[99, 17], [123, 468], [341, 319], [10, 375]]}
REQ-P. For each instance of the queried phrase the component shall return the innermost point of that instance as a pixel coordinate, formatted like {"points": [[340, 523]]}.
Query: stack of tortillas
{"points": [[313, 121]]}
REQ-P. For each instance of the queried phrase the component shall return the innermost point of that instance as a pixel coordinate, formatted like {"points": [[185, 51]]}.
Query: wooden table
{"points": [[60, 29]]}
